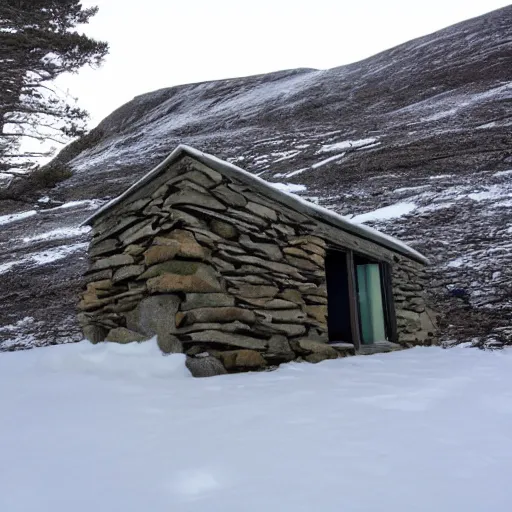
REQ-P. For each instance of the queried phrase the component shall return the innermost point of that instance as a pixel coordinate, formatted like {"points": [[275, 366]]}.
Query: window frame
{"points": [[387, 296]]}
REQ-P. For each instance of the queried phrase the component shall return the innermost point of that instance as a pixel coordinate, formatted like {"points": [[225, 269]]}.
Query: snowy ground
{"points": [[122, 428]]}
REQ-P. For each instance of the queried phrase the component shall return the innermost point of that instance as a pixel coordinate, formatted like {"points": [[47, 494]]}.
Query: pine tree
{"points": [[38, 43]]}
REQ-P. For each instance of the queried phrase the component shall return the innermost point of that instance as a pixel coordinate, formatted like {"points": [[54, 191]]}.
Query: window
{"points": [[360, 299], [371, 307]]}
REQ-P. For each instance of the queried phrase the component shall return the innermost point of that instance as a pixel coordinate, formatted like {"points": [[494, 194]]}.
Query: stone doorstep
{"points": [[379, 347], [343, 348]]}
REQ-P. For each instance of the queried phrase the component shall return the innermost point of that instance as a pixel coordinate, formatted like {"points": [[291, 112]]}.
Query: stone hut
{"points": [[223, 266]]}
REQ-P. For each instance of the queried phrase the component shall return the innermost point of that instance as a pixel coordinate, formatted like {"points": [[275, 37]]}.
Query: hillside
{"points": [[419, 134]]}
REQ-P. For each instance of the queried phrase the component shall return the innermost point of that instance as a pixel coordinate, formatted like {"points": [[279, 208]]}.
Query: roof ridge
{"points": [[291, 200]]}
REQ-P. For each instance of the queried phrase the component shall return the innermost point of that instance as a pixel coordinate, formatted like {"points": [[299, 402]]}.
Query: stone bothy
{"points": [[238, 275]]}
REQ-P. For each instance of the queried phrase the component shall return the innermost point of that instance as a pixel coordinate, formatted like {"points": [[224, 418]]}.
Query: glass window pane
{"points": [[371, 309]]}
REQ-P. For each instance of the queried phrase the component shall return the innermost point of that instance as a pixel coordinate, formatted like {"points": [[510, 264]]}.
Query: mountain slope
{"points": [[423, 128]]}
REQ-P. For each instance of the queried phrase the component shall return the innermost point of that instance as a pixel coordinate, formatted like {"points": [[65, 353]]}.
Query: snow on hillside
{"points": [[112, 427]]}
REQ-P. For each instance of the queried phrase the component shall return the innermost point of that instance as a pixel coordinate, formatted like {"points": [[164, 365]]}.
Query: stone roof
{"points": [[259, 185]]}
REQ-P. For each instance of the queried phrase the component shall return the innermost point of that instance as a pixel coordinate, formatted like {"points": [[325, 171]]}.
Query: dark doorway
{"points": [[338, 292]]}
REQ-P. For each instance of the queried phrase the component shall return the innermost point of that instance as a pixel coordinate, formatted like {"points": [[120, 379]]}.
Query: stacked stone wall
{"points": [[215, 270], [416, 322]]}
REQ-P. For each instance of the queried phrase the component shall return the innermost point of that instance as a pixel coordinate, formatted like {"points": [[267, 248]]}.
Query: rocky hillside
{"points": [[415, 141]]}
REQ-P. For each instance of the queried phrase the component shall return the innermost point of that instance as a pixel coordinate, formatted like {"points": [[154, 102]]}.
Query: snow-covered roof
{"points": [[268, 189]]}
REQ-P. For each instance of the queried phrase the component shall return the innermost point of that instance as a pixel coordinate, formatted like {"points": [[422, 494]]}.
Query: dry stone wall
{"points": [[416, 322], [220, 272]]}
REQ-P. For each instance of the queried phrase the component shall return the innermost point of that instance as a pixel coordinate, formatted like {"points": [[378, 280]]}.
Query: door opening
{"points": [[359, 299], [339, 318]]}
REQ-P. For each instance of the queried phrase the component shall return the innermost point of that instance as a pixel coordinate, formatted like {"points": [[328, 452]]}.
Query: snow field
{"points": [[111, 427]]}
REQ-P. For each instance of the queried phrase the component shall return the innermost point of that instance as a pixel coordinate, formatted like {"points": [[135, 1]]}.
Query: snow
{"points": [[490, 192], [285, 155], [457, 263], [44, 257], [57, 253], [295, 173], [14, 217], [113, 427], [327, 161], [440, 115], [89, 204], [441, 176], [492, 124], [411, 189], [289, 187], [59, 233], [387, 212], [18, 334], [503, 173], [347, 144]]}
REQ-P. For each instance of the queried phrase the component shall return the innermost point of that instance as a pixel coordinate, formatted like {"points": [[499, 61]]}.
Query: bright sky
{"points": [[161, 43]]}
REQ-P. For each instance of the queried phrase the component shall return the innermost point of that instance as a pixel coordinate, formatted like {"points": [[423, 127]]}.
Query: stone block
{"points": [[160, 253], [217, 314], [302, 263], [169, 344], [205, 300], [313, 289], [155, 316], [317, 357], [248, 218], [232, 327], [97, 276], [274, 266], [134, 250], [313, 248], [107, 246], [242, 360], [186, 218], [118, 260], [90, 302], [127, 272], [104, 284], [308, 239], [284, 229], [282, 315], [292, 295], [271, 251], [183, 268], [124, 335], [315, 299], [187, 244], [289, 330], [194, 197], [205, 366], [224, 338], [262, 211], [202, 280], [229, 196], [265, 303], [200, 179], [307, 347], [295, 251], [221, 264], [94, 333], [138, 232], [319, 313], [279, 350], [223, 229], [253, 291]]}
